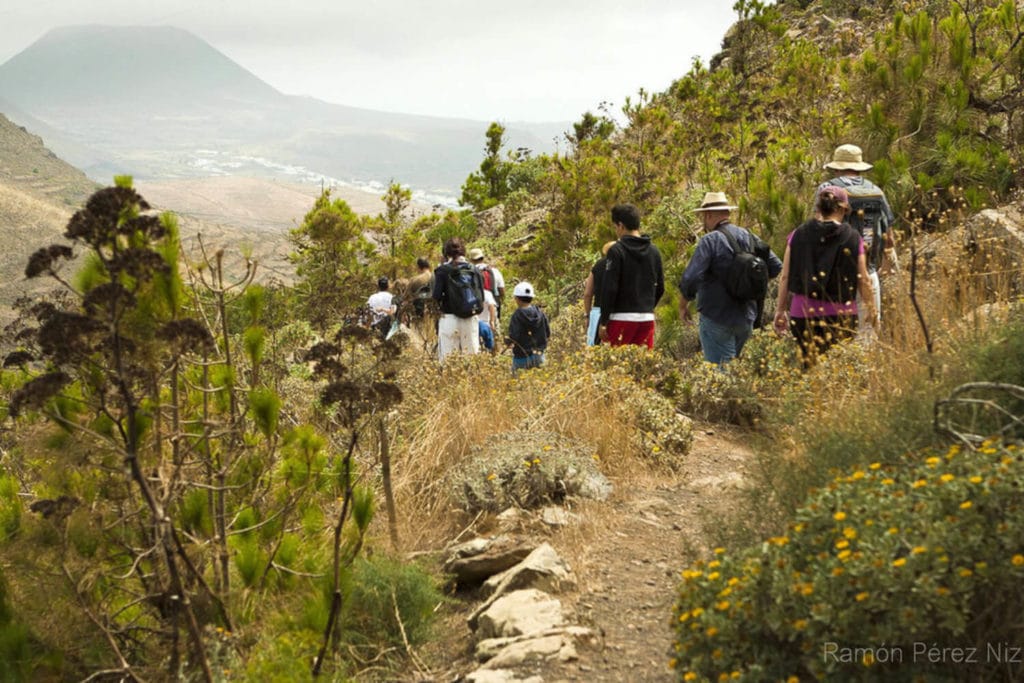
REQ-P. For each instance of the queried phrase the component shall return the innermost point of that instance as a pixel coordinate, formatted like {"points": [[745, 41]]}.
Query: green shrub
{"points": [[10, 507], [876, 566]]}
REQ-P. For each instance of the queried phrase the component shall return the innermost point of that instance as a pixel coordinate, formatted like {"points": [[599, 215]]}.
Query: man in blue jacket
{"points": [[725, 322]]}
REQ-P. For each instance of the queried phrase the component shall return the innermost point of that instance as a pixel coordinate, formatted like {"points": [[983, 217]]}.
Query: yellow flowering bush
{"points": [[874, 570]]}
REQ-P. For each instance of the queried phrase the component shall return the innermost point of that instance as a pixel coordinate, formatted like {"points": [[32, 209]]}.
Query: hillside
{"points": [[151, 100]]}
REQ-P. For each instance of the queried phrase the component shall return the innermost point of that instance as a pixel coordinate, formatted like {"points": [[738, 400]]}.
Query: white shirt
{"points": [[380, 305]]}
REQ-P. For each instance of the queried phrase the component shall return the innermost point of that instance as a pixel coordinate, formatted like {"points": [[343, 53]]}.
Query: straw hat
{"points": [[476, 254], [848, 158], [715, 201]]}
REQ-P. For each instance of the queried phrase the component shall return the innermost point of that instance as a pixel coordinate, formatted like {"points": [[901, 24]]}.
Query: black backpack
{"points": [[747, 276], [867, 217], [464, 290]]}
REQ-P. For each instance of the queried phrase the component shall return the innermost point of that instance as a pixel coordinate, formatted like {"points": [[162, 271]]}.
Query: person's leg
{"points": [[876, 286], [447, 336], [716, 341], [595, 318], [741, 335], [468, 334]]}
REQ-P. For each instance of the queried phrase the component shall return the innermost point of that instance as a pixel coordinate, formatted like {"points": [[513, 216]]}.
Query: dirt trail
{"points": [[628, 588], [628, 567]]}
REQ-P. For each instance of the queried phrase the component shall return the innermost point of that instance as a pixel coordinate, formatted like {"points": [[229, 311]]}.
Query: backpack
{"points": [[747, 276], [463, 290], [867, 216], [490, 282]]}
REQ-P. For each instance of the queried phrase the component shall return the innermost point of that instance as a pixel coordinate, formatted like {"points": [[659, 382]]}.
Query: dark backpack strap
{"points": [[733, 242]]}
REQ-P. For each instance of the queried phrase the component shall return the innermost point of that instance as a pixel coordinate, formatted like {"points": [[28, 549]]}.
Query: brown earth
{"points": [[627, 553]]}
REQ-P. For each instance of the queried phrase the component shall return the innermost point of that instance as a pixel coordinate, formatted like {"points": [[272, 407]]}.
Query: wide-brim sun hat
{"points": [[523, 290], [848, 158], [476, 254], [715, 201]]}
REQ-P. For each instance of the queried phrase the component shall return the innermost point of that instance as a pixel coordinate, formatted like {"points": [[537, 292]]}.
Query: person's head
{"points": [[454, 248], [523, 294], [606, 247], [382, 283], [833, 202], [476, 255], [848, 160], [714, 208], [422, 263], [626, 217]]}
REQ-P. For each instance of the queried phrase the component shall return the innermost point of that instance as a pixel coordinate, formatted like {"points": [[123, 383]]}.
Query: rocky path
{"points": [[628, 586], [626, 556]]}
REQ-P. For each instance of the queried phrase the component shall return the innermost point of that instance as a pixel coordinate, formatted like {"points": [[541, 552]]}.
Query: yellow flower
{"points": [[711, 632], [779, 540], [799, 527], [981, 566], [862, 596], [722, 606], [839, 516], [850, 533], [966, 572], [793, 679], [933, 461], [874, 466], [919, 549], [713, 576], [683, 617], [800, 624], [549, 448], [888, 482], [919, 483], [842, 544], [893, 531], [838, 571], [1017, 560], [724, 593], [843, 554], [690, 676], [719, 551], [966, 505], [976, 479], [733, 581], [946, 478], [858, 475], [900, 562], [492, 476], [714, 563], [942, 590]]}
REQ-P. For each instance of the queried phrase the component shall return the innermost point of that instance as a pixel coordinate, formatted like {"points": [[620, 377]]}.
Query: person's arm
{"points": [[866, 289], [610, 287], [781, 322], [588, 293], [437, 291], [659, 284]]}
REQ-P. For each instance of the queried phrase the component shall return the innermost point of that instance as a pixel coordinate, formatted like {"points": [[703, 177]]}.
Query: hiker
{"points": [[592, 295], [458, 289], [869, 214], [727, 317], [823, 270], [419, 288], [633, 283], [382, 307], [528, 330], [493, 279], [489, 322]]}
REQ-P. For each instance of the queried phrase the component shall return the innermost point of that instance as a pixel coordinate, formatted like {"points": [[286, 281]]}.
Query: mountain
{"points": [[156, 102]]}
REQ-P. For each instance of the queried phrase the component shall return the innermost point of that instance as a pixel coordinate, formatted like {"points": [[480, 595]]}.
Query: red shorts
{"points": [[623, 332]]}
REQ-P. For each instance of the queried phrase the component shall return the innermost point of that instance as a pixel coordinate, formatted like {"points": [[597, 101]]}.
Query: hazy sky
{"points": [[536, 60]]}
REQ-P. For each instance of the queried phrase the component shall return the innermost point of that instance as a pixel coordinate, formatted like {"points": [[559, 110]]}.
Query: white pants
{"points": [[876, 286], [457, 334]]}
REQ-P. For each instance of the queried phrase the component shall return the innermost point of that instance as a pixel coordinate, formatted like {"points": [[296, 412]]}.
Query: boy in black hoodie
{"points": [[528, 330], [633, 283]]}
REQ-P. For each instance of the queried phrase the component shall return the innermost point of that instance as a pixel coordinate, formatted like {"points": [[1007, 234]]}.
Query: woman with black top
{"points": [[592, 295], [822, 271]]}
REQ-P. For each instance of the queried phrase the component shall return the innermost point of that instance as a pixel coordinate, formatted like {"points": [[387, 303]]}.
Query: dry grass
{"points": [[448, 412]]}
